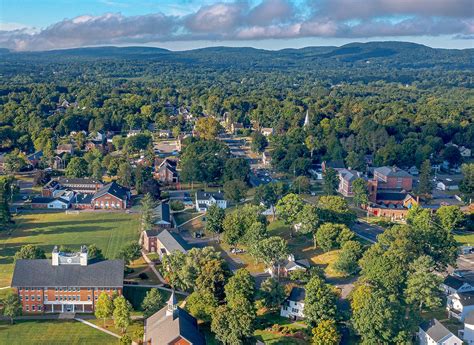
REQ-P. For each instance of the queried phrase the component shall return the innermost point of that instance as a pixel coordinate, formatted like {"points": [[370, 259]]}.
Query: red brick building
{"points": [[393, 178], [112, 196], [66, 283]]}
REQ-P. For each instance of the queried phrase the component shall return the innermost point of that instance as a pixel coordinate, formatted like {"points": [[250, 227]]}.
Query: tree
{"points": [[361, 193], [77, 167], [125, 340], [5, 197], [208, 128], [14, 162], [272, 292], [232, 325], [452, 155], [202, 305], [236, 169], [152, 302], [259, 142], [235, 190], [347, 261], [335, 209], [124, 174], [152, 187], [137, 143], [308, 220], [240, 285], [425, 185], [271, 250], [467, 184], [30, 251], [450, 217], [104, 307], [214, 219], [289, 207], [320, 301], [11, 306], [129, 252], [301, 184], [325, 333], [423, 285], [121, 313], [331, 235], [94, 253], [269, 194], [330, 181], [147, 214]]}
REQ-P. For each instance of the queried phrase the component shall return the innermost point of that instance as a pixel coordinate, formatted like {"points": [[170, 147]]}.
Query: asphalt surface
{"points": [[367, 231]]}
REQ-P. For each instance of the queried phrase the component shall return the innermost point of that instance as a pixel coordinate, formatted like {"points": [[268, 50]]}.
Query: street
{"points": [[367, 231]]}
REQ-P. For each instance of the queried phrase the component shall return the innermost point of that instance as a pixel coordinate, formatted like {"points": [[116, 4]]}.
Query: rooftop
{"points": [[435, 330]]}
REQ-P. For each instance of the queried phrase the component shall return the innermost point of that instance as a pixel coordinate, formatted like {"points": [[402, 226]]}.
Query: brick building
{"points": [[166, 172], [112, 196], [66, 283], [393, 178]]}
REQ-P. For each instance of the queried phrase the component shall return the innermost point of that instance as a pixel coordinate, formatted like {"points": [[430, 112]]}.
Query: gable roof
{"points": [[453, 282], [162, 213], [297, 294], [169, 241], [162, 329], [435, 330], [114, 189], [40, 272], [391, 196], [201, 195], [392, 172], [466, 298]]}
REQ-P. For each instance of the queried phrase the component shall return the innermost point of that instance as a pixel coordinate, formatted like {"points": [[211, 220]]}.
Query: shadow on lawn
{"points": [[73, 223], [63, 230]]}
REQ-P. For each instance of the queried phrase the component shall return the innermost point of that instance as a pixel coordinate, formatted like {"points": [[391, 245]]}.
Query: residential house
{"points": [[447, 184], [112, 196], [346, 178], [172, 325], [288, 266], [80, 185], [164, 133], [337, 164], [457, 282], [266, 131], [34, 158], [64, 148], [167, 171], [206, 199], [50, 203], [68, 282], [266, 158], [58, 163], [293, 307], [162, 216], [433, 332], [460, 304], [162, 242], [91, 145], [465, 152], [467, 334]]}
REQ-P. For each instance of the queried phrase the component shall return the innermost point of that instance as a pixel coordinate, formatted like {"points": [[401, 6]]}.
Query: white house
{"points": [[434, 333], [460, 304], [293, 307], [206, 199], [465, 152], [266, 131], [467, 334], [458, 281], [447, 184]]}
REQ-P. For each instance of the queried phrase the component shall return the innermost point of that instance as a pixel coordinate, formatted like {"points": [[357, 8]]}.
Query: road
{"points": [[367, 231]]}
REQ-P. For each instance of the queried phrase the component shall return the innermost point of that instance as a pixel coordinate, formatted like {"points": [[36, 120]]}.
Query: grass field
{"points": [[465, 239], [54, 332], [109, 231]]}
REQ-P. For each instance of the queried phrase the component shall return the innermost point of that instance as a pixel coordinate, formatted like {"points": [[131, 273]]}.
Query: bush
{"points": [[176, 205], [143, 276]]}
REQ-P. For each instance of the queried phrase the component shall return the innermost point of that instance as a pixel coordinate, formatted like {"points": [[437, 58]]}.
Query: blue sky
{"points": [[268, 24]]}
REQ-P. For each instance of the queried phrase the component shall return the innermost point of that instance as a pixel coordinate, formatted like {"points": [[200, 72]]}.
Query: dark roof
{"points": [[41, 272], [35, 156], [162, 329], [114, 189], [201, 195], [392, 172], [335, 164], [297, 294], [82, 198], [42, 200], [162, 212], [466, 298], [391, 196], [453, 282], [435, 329], [76, 181]]}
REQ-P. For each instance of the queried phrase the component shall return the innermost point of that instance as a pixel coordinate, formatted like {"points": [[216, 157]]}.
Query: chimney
{"points": [[83, 256], [55, 256]]}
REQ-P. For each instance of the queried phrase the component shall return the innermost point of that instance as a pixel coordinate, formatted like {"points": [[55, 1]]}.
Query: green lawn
{"points": [[109, 231], [52, 332], [465, 239]]}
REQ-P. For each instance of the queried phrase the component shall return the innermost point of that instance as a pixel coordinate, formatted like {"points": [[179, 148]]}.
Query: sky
{"points": [[268, 24]]}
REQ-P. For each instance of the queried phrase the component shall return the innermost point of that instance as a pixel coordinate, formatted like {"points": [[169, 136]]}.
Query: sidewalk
{"points": [[97, 327], [153, 268]]}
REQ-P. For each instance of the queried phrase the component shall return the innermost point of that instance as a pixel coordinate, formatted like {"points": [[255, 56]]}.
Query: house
{"points": [[162, 216], [112, 196], [460, 304], [172, 325], [266, 131], [167, 172], [64, 148], [164, 133], [393, 178], [467, 334], [162, 242], [447, 184], [337, 164], [58, 163], [289, 265], [433, 332], [82, 201], [206, 199], [458, 281], [91, 145], [80, 185], [293, 307], [346, 178], [50, 203], [266, 158], [465, 152], [35, 158], [67, 282], [49, 188]]}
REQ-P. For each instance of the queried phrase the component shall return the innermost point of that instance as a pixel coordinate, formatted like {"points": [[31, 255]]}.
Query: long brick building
{"points": [[66, 283]]}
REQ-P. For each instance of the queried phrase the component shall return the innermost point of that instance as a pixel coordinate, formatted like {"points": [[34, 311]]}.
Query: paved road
{"points": [[367, 231]]}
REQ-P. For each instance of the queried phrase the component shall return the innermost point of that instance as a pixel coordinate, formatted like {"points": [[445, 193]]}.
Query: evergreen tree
{"points": [[147, 215], [425, 184], [330, 181], [152, 302]]}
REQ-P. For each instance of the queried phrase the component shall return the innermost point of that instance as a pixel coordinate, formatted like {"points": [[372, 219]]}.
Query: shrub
{"points": [[176, 205], [143, 276]]}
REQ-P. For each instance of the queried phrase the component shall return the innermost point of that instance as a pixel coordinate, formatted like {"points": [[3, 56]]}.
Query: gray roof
{"points": [[78, 180], [162, 329], [435, 330], [297, 294], [162, 212], [41, 272], [469, 319], [201, 195], [392, 172], [466, 298], [114, 189], [169, 242]]}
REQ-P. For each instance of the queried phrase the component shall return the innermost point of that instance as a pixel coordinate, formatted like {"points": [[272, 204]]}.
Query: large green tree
{"points": [[320, 302]]}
